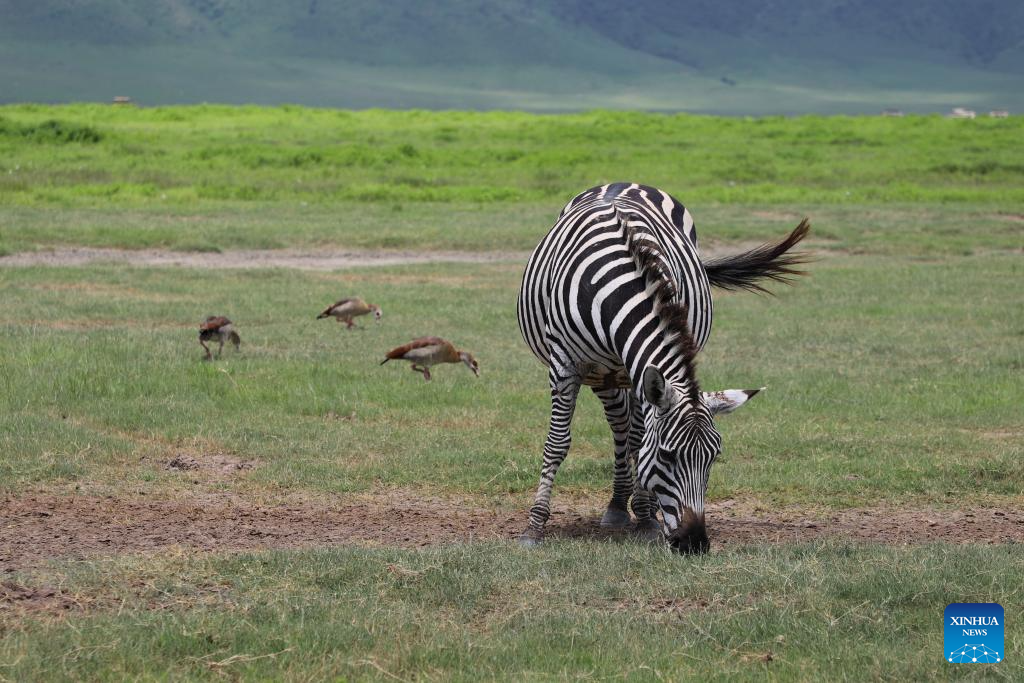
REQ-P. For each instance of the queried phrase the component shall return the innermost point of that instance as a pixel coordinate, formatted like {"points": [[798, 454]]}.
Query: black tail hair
{"points": [[384, 361], [770, 261]]}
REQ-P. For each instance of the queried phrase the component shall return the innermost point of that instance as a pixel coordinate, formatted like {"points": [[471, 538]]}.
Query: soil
{"points": [[35, 528], [321, 260], [252, 258]]}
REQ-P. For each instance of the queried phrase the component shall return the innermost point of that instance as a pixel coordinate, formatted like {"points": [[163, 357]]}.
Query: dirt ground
{"points": [[276, 258], [38, 527]]}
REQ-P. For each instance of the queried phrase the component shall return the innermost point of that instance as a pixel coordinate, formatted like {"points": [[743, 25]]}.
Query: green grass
{"points": [[903, 372], [494, 611], [923, 229], [175, 156], [893, 374], [211, 177]]}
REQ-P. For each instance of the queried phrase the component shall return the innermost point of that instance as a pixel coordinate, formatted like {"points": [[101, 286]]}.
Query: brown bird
{"points": [[427, 351], [217, 327], [346, 309]]}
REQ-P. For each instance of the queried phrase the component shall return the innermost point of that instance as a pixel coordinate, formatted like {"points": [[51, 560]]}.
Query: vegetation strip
{"points": [[490, 611]]}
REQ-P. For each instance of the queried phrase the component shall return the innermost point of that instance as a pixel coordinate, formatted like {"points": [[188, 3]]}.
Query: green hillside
{"points": [[744, 56]]}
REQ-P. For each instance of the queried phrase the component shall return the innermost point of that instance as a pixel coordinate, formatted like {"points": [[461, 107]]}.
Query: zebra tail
{"points": [[769, 261]]}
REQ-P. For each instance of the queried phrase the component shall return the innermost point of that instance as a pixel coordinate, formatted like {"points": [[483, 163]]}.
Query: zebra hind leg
{"points": [[564, 391], [617, 412]]}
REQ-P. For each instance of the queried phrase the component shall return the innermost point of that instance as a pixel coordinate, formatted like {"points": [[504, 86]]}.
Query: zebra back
{"points": [[617, 284]]}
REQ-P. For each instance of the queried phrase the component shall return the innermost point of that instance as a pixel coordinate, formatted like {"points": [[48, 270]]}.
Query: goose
{"points": [[347, 309], [219, 328], [427, 351]]}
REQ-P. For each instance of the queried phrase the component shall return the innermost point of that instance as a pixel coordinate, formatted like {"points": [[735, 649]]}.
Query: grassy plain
{"points": [[578, 610], [97, 154], [95, 355], [893, 374]]}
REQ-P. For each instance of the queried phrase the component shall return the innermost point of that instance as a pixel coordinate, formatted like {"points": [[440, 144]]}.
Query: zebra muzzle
{"points": [[691, 536]]}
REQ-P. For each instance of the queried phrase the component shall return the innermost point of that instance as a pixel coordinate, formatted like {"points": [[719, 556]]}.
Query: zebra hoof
{"points": [[614, 518], [531, 538], [649, 531]]}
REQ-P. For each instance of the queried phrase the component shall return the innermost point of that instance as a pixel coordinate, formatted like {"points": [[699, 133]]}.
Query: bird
{"points": [[427, 351], [217, 327], [346, 309]]}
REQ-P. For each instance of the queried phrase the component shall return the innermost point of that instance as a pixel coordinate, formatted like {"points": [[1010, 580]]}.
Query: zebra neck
{"points": [[674, 364]]}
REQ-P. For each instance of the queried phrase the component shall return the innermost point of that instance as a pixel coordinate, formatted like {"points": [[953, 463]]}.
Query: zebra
{"points": [[616, 298]]}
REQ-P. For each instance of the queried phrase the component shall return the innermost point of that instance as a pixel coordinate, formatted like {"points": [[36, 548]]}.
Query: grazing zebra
{"points": [[616, 298]]}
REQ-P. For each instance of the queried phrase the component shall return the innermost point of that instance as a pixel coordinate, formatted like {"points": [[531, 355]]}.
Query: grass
{"points": [[877, 367], [924, 229], [97, 155], [893, 374], [497, 612]]}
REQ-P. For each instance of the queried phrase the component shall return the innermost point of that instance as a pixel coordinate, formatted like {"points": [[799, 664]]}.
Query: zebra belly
{"points": [[603, 377]]}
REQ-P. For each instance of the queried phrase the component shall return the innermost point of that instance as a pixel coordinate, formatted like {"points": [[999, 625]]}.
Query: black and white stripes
{"points": [[615, 297]]}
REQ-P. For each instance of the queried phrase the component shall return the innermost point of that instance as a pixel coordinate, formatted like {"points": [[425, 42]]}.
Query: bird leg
{"points": [[426, 374], [349, 323], [220, 348], [205, 348]]}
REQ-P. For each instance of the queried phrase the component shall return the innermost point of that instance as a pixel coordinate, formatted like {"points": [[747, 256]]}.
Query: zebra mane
{"points": [[672, 309]]}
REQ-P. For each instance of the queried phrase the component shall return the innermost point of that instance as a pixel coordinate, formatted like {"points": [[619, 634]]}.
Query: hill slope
{"points": [[744, 56]]}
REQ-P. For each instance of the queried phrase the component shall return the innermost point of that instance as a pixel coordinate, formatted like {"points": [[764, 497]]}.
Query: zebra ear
{"points": [[656, 390], [727, 400]]}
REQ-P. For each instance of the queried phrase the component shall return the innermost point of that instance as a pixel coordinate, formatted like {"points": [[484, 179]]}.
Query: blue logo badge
{"points": [[973, 633]]}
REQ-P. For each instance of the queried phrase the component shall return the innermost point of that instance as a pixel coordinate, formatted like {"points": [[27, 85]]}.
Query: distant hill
{"points": [[728, 56]]}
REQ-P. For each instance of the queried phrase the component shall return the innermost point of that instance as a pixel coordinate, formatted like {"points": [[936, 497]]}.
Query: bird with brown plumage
{"points": [[345, 310], [220, 329], [427, 351]]}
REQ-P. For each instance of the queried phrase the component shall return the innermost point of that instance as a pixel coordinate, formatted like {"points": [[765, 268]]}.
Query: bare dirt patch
{"points": [[20, 599], [194, 456], [252, 258], [1009, 217], [215, 463], [39, 527]]}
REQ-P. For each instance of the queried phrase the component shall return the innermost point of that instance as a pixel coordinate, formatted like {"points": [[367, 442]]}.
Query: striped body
{"points": [[615, 297], [582, 288]]}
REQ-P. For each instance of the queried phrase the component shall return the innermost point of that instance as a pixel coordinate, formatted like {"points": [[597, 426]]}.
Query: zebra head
{"points": [[679, 446]]}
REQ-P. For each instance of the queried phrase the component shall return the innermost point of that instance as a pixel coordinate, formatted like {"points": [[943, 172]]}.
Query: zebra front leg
{"points": [[617, 412], [644, 505], [563, 403]]}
